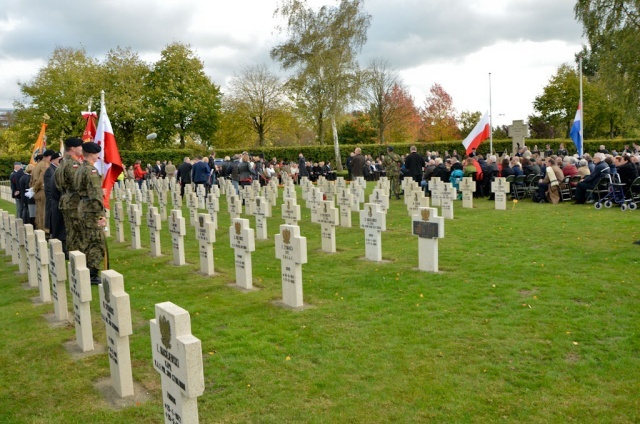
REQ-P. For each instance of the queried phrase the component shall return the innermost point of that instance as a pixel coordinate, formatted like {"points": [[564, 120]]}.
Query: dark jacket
{"points": [[15, 180], [200, 172], [184, 173], [414, 163]]}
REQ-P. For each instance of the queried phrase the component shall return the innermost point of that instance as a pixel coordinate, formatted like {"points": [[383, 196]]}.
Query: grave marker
{"points": [[135, 220], [42, 266], [118, 216], [154, 223], [328, 218], [234, 206], [116, 314], [58, 273], [261, 210], [213, 206], [373, 221], [291, 249], [19, 247], [447, 195], [434, 188], [500, 187], [30, 249], [242, 240], [80, 288], [429, 227], [468, 187], [178, 229], [177, 356], [415, 201], [345, 201], [290, 211], [379, 197], [206, 234]]}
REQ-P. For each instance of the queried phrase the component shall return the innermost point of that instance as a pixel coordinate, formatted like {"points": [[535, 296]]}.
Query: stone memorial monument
{"points": [[429, 227], [518, 130]]}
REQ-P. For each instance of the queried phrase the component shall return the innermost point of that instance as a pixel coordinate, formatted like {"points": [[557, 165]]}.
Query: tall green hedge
{"points": [[325, 152]]}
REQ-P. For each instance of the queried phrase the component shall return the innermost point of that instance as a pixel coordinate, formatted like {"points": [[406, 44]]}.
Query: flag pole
{"points": [[581, 152], [490, 120], [102, 106]]}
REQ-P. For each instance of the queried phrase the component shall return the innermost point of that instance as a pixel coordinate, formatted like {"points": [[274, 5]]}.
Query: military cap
{"points": [[55, 156], [73, 142], [91, 147], [48, 152]]}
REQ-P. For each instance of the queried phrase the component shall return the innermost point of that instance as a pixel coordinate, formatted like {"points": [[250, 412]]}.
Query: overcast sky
{"points": [[455, 43]]}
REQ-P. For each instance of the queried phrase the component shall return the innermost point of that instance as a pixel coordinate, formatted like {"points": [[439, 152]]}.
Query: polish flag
{"points": [[480, 133], [109, 163]]}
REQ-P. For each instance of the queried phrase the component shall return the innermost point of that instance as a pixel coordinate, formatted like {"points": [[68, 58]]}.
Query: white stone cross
{"points": [[192, 205], [289, 192], [358, 195], [447, 195], [261, 210], [3, 242], [373, 221], [118, 215], [201, 193], [429, 227], [42, 266], [518, 130], [162, 204], [58, 274], [213, 206], [150, 198], [177, 356], [234, 205], [242, 240], [18, 245], [500, 187], [30, 250], [379, 197], [247, 194], [345, 201], [135, 220], [328, 218], [13, 239], [415, 200], [467, 187], [80, 288], [115, 308], [8, 239], [291, 249], [154, 223], [271, 192], [176, 199], [178, 230], [314, 198], [434, 188], [290, 211], [206, 234]]}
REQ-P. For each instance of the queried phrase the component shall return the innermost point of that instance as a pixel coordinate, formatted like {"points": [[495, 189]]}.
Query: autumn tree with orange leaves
{"points": [[438, 116]]}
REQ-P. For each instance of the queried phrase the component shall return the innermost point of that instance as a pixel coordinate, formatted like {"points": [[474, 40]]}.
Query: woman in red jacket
{"points": [[139, 173]]}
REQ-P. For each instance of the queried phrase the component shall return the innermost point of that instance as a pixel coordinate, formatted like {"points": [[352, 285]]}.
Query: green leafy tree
{"points": [[257, 96], [358, 129], [61, 89], [124, 77], [322, 48], [183, 99], [467, 121]]}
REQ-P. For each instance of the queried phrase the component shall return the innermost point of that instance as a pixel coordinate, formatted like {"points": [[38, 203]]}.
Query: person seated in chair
{"points": [[550, 184], [590, 181]]}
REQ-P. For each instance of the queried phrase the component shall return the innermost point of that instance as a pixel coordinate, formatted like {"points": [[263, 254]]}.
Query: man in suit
{"points": [[414, 163], [17, 173], [184, 174], [49, 185], [37, 184]]}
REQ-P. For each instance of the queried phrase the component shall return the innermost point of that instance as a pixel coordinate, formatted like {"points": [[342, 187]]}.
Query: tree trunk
{"points": [[336, 145]]}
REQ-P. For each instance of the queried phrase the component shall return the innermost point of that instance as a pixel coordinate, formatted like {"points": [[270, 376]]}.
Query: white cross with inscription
{"points": [[429, 227], [178, 230], [192, 205], [162, 204], [13, 235], [500, 187], [30, 250], [201, 193], [242, 240], [289, 192], [373, 221], [262, 211], [150, 200], [8, 238], [345, 201], [379, 197], [135, 220], [357, 193], [434, 188], [42, 264], [213, 206], [234, 206], [447, 196], [58, 274], [206, 234], [115, 308], [177, 356], [176, 199], [518, 130], [80, 288], [154, 223], [247, 194], [328, 218], [467, 187], [18, 245], [290, 211], [314, 197], [291, 249], [118, 216], [415, 201], [3, 242]]}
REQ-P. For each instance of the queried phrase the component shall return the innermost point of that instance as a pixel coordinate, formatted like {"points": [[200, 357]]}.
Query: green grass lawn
{"points": [[533, 317]]}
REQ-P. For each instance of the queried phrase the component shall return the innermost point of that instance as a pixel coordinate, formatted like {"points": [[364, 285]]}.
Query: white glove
{"points": [[29, 193]]}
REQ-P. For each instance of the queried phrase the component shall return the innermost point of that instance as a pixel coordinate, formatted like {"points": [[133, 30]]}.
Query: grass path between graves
{"points": [[534, 317]]}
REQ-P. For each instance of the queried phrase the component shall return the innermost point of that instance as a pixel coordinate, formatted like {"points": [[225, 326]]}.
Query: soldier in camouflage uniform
{"points": [[69, 199], [391, 164], [88, 184]]}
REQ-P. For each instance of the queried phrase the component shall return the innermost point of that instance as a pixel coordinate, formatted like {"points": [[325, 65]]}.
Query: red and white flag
{"points": [[89, 133], [109, 163], [480, 133]]}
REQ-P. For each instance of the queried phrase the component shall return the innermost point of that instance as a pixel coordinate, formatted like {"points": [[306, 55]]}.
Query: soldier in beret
{"points": [[37, 184], [69, 198], [88, 184]]}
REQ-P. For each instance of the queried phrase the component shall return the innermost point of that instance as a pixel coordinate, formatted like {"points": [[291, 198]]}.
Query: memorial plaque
{"points": [[429, 227]]}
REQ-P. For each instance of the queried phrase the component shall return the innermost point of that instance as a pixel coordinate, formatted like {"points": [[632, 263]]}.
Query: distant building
{"points": [[5, 117]]}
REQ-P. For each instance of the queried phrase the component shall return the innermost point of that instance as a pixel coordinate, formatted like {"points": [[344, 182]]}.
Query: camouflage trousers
{"points": [[93, 242], [394, 182], [73, 226]]}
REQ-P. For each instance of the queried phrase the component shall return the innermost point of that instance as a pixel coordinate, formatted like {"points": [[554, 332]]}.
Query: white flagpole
{"points": [[490, 120], [581, 152]]}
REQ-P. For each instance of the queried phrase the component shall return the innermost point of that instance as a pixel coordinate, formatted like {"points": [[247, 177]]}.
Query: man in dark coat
{"points": [[357, 164], [17, 173], [302, 166], [414, 163], [49, 185], [184, 174]]}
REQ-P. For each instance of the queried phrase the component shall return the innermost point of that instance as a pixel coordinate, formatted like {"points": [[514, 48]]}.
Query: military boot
{"points": [[95, 279]]}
